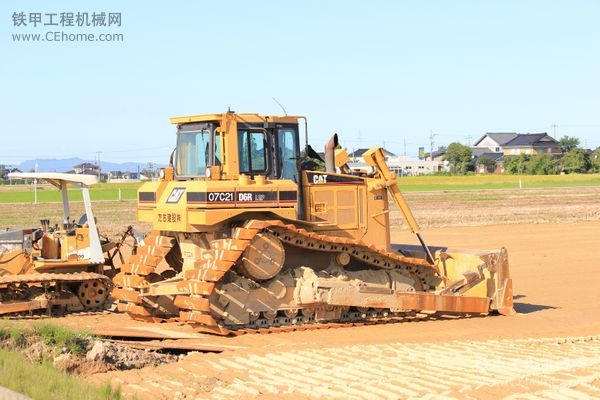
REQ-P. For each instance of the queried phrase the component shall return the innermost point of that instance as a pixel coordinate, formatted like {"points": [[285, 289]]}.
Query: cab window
{"points": [[192, 152], [286, 146], [252, 151], [217, 149]]}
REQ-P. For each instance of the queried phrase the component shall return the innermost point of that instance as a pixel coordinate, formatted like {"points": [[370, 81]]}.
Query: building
{"points": [[438, 155], [532, 143], [402, 165], [480, 168], [407, 166], [356, 155], [86, 168], [511, 143], [7, 169], [494, 141], [119, 176]]}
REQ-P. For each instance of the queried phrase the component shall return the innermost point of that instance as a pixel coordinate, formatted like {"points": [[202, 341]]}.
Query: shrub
{"points": [[60, 337], [576, 161]]}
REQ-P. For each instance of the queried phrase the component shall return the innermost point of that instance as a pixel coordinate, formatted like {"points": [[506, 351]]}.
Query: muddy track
{"points": [[541, 368]]}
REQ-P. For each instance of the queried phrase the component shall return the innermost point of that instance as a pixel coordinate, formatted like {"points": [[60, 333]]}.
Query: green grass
{"points": [[60, 337], [40, 380], [47, 193], [483, 182], [53, 336], [12, 333], [44, 382]]}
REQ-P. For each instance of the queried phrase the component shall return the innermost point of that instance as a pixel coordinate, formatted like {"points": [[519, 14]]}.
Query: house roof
{"points": [[359, 153], [499, 137], [479, 151], [493, 156], [85, 165], [531, 139], [436, 153]]}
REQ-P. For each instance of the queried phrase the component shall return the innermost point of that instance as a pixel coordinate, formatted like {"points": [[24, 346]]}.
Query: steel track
{"points": [[200, 282], [47, 281]]}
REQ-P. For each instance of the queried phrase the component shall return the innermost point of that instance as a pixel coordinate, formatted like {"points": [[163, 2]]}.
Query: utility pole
{"points": [[431, 136], [404, 147], [35, 185], [554, 126], [98, 155], [469, 137]]}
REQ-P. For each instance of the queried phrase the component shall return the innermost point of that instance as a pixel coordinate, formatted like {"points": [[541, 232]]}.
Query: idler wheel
{"points": [[92, 294], [263, 258]]}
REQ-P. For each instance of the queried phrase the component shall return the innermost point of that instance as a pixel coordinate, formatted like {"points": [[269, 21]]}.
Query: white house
{"points": [[495, 141], [408, 166]]}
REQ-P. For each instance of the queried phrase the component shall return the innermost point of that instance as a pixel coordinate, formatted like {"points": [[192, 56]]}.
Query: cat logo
{"points": [[319, 179], [175, 195]]}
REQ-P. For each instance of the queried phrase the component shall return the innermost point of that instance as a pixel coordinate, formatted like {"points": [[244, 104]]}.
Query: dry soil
{"points": [[550, 349]]}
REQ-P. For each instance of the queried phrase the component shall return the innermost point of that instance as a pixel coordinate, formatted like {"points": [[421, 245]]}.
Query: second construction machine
{"points": [[249, 234], [60, 267]]}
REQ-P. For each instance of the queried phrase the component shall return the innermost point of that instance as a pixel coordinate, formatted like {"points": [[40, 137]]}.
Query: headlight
{"points": [[208, 172], [161, 173]]}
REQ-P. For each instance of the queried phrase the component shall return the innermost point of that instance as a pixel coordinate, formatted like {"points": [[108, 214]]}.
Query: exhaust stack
{"points": [[330, 153]]}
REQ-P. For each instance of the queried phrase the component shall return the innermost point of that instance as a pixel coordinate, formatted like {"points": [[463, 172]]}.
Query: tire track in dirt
{"points": [[546, 368]]}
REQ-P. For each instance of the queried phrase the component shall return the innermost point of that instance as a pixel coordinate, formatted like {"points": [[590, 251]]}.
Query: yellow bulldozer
{"points": [[61, 267], [251, 233]]}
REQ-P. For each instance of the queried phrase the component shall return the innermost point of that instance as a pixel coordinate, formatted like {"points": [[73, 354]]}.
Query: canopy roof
{"points": [[56, 178]]}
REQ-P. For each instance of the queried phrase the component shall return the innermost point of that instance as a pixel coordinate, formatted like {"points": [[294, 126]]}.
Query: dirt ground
{"points": [[550, 349]]}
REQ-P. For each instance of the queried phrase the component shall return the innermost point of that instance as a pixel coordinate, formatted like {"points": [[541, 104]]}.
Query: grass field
{"points": [[35, 376], [107, 191], [48, 193], [482, 182], [43, 382]]}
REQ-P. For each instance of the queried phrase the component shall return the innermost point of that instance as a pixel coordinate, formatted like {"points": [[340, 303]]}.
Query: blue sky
{"points": [[374, 72]]}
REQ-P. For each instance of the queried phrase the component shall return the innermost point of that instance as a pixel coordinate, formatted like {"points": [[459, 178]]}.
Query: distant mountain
{"points": [[66, 164]]}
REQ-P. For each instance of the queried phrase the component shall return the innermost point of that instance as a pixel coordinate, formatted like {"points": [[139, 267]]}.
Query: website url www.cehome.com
{"points": [[67, 37]]}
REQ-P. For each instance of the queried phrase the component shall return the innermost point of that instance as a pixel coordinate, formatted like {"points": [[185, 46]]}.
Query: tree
{"points": [[596, 161], [576, 161], [516, 164], [541, 164], [568, 143], [487, 162], [459, 156]]}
